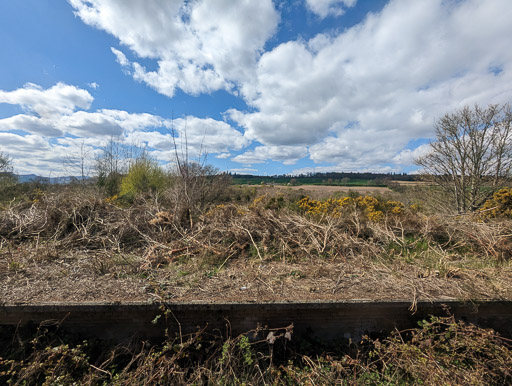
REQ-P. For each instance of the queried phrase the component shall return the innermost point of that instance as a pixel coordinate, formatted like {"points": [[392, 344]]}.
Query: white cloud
{"points": [[324, 8], [52, 137], [120, 57], [286, 154], [243, 170], [59, 99], [93, 85], [30, 124], [355, 97], [83, 123], [104, 122], [407, 156], [362, 95], [133, 121], [13, 142], [200, 46], [198, 136], [30, 153]]}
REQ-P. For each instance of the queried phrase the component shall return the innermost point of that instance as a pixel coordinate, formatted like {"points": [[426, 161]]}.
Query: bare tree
{"points": [[79, 165], [471, 157], [115, 160], [195, 183], [6, 170], [111, 164]]}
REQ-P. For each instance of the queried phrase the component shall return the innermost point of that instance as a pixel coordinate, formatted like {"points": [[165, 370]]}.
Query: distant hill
{"points": [[46, 180]]}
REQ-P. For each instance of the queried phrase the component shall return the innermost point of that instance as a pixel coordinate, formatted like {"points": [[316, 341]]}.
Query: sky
{"points": [[259, 86]]}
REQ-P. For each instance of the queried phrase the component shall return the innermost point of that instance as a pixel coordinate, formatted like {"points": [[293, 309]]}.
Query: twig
{"points": [[253, 243], [103, 371]]}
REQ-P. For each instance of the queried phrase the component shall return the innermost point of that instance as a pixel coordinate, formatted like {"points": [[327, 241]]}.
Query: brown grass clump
{"points": [[442, 351], [74, 219]]}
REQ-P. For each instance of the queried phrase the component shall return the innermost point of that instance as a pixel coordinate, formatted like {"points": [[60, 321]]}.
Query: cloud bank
{"points": [[53, 129], [352, 98]]}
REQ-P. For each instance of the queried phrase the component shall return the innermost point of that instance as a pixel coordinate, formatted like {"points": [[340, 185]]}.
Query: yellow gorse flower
{"points": [[374, 208], [110, 200], [500, 205]]}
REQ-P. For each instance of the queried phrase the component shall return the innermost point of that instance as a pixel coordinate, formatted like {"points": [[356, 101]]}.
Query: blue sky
{"points": [[265, 87]]}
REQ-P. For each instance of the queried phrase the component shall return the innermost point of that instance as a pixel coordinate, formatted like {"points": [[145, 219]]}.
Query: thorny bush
{"points": [[263, 229]]}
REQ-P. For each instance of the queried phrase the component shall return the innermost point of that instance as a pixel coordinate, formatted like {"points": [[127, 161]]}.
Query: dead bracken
{"points": [[74, 245]]}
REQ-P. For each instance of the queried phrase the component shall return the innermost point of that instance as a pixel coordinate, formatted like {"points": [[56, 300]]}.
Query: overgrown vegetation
{"points": [[500, 205], [439, 351], [139, 232], [162, 236]]}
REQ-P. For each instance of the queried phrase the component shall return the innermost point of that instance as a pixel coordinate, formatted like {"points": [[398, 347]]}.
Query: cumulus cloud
{"points": [[60, 119], [30, 124], [120, 57], [407, 156], [59, 99], [199, 46], [351, 98], [46, 138], [197, 136], [324, 8], [83, 123], [363, 94], [30, 153], [289, 155]]}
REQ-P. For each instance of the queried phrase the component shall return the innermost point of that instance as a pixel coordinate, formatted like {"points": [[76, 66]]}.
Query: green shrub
{"points": [[144, 176]]}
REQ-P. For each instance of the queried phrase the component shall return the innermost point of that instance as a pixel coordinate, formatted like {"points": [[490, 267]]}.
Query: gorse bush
{"points": [[144, 176], [500, 205], [374, 208]]}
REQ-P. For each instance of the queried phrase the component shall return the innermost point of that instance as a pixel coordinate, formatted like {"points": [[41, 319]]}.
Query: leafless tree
{"points": [[79, 164], [195, 183], [6, 170], [111, 164], [471, 156], [115, 160], [5, 163]]}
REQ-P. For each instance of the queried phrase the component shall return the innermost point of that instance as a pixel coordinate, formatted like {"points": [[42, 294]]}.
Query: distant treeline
{"points": [[338, 178]]}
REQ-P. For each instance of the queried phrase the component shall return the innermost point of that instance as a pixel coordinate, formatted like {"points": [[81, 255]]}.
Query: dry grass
{"points": [[73, 246]]}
